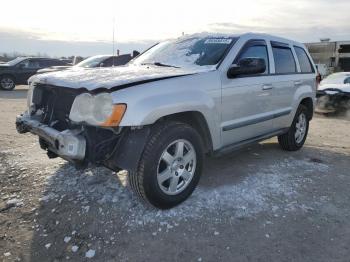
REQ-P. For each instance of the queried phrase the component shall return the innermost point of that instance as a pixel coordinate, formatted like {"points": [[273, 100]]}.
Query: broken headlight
{"points": [[97, 110]]}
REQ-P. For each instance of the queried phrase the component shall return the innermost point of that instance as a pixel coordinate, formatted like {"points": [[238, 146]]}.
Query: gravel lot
{"points": [[256, 204]]}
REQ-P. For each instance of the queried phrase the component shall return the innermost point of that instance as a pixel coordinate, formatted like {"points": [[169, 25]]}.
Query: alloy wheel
{"points": [[176, 167], [300, 128], [7, 83]]}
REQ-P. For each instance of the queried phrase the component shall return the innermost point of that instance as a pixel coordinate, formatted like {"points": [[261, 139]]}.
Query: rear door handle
{"points": [[298, 83], [266, 87]]}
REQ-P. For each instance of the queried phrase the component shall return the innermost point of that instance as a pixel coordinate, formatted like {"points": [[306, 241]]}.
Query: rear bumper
{"points": [[68, 144]]}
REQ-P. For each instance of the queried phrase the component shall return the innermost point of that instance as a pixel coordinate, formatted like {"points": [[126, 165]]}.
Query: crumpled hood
{"points": [[95, 78], [341, 87]]}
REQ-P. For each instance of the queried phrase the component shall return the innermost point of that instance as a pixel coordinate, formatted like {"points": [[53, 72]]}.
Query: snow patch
{"points": [[108, 77], [90, 253], [273, 189]]}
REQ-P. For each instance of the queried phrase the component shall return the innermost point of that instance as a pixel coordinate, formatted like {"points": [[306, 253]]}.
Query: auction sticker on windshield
{"points": [[225, 41]]}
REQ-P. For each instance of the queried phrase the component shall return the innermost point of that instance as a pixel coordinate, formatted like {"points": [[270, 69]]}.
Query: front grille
{"points": [[55, 103]]}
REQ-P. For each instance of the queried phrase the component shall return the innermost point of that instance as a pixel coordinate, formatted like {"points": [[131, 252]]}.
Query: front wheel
{"points": [[295, 138], [7, 83], [170, 166]]}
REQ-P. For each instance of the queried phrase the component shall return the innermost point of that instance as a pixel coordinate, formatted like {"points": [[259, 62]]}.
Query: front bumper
{"points": [[68, 144], [92, 145]]}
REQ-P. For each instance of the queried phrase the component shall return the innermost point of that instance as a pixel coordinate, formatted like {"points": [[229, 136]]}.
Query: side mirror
{"points": [[102, 64], [21, 66], [247, 66]]}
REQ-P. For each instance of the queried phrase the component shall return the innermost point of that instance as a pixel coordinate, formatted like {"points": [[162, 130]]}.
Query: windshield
{"points": [[91, 62], [16, 61], [192, 51]]}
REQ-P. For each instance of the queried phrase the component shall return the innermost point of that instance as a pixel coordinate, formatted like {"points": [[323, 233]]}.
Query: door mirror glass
{"points": [[247, 66]]}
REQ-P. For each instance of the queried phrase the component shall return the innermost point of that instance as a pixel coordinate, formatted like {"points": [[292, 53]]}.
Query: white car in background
{"points": [[333, 94]]}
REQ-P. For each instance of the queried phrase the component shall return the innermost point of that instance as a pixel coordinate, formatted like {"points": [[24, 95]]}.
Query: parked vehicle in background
{"points": [[92, 62], [67, 61], [158, 116], [18, 71], [333, 93]]}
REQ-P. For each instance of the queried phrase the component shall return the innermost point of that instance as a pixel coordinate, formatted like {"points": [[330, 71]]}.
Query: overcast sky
{"points": [[68, 27]]}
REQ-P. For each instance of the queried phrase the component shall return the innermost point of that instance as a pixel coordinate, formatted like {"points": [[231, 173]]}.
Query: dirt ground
{"points": [[256, 204]]}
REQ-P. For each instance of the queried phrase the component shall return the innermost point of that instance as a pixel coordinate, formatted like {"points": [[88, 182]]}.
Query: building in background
{"points": [[330, 56]]}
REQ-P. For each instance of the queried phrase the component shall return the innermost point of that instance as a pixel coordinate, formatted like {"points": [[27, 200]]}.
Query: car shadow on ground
{"points": [[95, 209], [14, 94], [343, 115]]}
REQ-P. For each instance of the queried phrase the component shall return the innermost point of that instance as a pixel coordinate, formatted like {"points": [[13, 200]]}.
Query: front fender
{"points": [[150, 109], [149, 102]]}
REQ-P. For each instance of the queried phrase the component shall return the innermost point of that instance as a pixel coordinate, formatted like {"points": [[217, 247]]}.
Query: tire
{"points": [[7, 83], [290, 141], [183, 177]]}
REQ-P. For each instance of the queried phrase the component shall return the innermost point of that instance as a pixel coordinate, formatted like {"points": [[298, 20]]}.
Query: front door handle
{"points": [[267, 87]]}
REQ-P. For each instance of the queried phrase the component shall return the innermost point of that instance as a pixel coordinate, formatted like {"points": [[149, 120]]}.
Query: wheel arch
{"points": [[197, 121], [308, 103]]}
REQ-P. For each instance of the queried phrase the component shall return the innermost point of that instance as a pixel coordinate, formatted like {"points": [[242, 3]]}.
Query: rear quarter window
{"points": [[284, 59], [304, 61]]}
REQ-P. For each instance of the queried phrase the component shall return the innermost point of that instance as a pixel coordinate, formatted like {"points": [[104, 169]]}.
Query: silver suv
{"points": [[158, 116]]}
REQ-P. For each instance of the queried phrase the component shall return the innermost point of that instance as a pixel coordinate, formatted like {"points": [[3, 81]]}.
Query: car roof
{"points": [[102, 56], [248, 35], [35, 57], [272, 38]]}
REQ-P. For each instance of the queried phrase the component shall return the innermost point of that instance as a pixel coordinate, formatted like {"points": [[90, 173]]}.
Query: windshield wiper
{"points": [[160, 64]]}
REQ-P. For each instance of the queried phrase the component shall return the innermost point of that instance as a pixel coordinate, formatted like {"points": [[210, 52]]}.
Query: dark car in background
{"points": [[93, 62], [17, 71]]}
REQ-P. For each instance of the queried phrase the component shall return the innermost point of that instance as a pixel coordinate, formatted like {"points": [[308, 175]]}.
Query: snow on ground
{"points": [[274, 188]]}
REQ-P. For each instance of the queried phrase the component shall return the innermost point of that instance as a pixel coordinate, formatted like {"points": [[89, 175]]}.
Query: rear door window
{"points": [[54, 62], [31, 64], [44, 63], [304, 61], [284, 59]]}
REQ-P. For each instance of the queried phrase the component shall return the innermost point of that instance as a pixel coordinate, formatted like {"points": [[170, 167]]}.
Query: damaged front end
{"points": [[332, 100], [49, 116]]}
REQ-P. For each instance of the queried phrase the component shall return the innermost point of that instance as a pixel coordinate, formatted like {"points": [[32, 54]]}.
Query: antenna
{"points": [[113, 54], [113, 36]]}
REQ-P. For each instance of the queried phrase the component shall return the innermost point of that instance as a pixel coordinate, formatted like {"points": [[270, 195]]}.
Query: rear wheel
{"points": [[7, 83], [295, 138], [170, 166]]}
